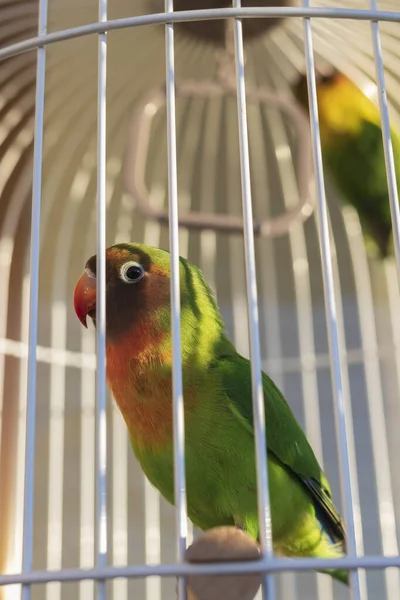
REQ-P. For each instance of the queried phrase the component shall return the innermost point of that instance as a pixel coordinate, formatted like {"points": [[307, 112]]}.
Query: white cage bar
{"points": [[101, 391], [331, 311], [177, 385], [27, 550]]}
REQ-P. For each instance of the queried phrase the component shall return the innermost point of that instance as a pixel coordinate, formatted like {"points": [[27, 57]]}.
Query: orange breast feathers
{"points": [[139, 376]]}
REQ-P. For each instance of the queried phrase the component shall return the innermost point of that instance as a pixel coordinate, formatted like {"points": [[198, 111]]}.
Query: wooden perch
{"points": [[223, 544]]}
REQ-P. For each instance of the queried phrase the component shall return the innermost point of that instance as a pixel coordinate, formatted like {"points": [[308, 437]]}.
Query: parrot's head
{"points": [[342, 106], [137, 289], [324, 81]]}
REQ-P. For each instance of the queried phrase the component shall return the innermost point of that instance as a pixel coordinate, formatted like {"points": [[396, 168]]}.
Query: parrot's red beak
{"points": [[85, 297]]}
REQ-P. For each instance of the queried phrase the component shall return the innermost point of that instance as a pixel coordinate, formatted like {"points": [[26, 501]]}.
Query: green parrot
{"points": [[220, 454], [352, 151]]}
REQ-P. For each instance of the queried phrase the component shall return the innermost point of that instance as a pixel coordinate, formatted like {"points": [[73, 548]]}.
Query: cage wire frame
{"points": [[268, 564]]}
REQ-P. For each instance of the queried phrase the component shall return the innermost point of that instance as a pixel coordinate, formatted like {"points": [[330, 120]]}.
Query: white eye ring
{"points": [[131, 272]]}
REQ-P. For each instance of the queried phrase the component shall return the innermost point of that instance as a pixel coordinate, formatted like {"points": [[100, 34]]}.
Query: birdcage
{"points": [[116, 119]]}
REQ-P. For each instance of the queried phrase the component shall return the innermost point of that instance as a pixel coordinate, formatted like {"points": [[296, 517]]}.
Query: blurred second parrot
{"points": [[353, 154]]}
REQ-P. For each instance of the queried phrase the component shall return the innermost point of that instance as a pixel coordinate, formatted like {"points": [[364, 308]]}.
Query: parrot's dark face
{"points": [[323, 81], [136, 287]]}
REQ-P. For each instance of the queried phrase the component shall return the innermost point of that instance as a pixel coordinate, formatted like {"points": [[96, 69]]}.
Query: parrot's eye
{"points": [[131, 272]]}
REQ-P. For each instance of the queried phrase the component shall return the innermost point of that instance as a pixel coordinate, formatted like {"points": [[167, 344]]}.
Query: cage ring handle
{"points": [[134, 164]]}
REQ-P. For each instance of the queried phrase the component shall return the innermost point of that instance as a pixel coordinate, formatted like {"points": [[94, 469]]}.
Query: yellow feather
{"points": [[343, 107]]}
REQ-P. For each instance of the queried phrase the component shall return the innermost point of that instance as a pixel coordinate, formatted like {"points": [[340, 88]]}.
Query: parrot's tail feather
{"points": [[328, 550], [338, 574], [320, 545]]}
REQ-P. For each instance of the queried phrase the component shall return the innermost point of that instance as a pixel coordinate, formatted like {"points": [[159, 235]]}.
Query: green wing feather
{"points": [[357, 166], [285, 438], [329, 515]]}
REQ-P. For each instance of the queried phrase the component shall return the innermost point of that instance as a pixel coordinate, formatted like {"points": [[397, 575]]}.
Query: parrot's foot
{"points": [[222, 544]]}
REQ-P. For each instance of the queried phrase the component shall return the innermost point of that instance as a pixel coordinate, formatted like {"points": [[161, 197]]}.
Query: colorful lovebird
{"points": [[352, 151], [220, 454]]}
